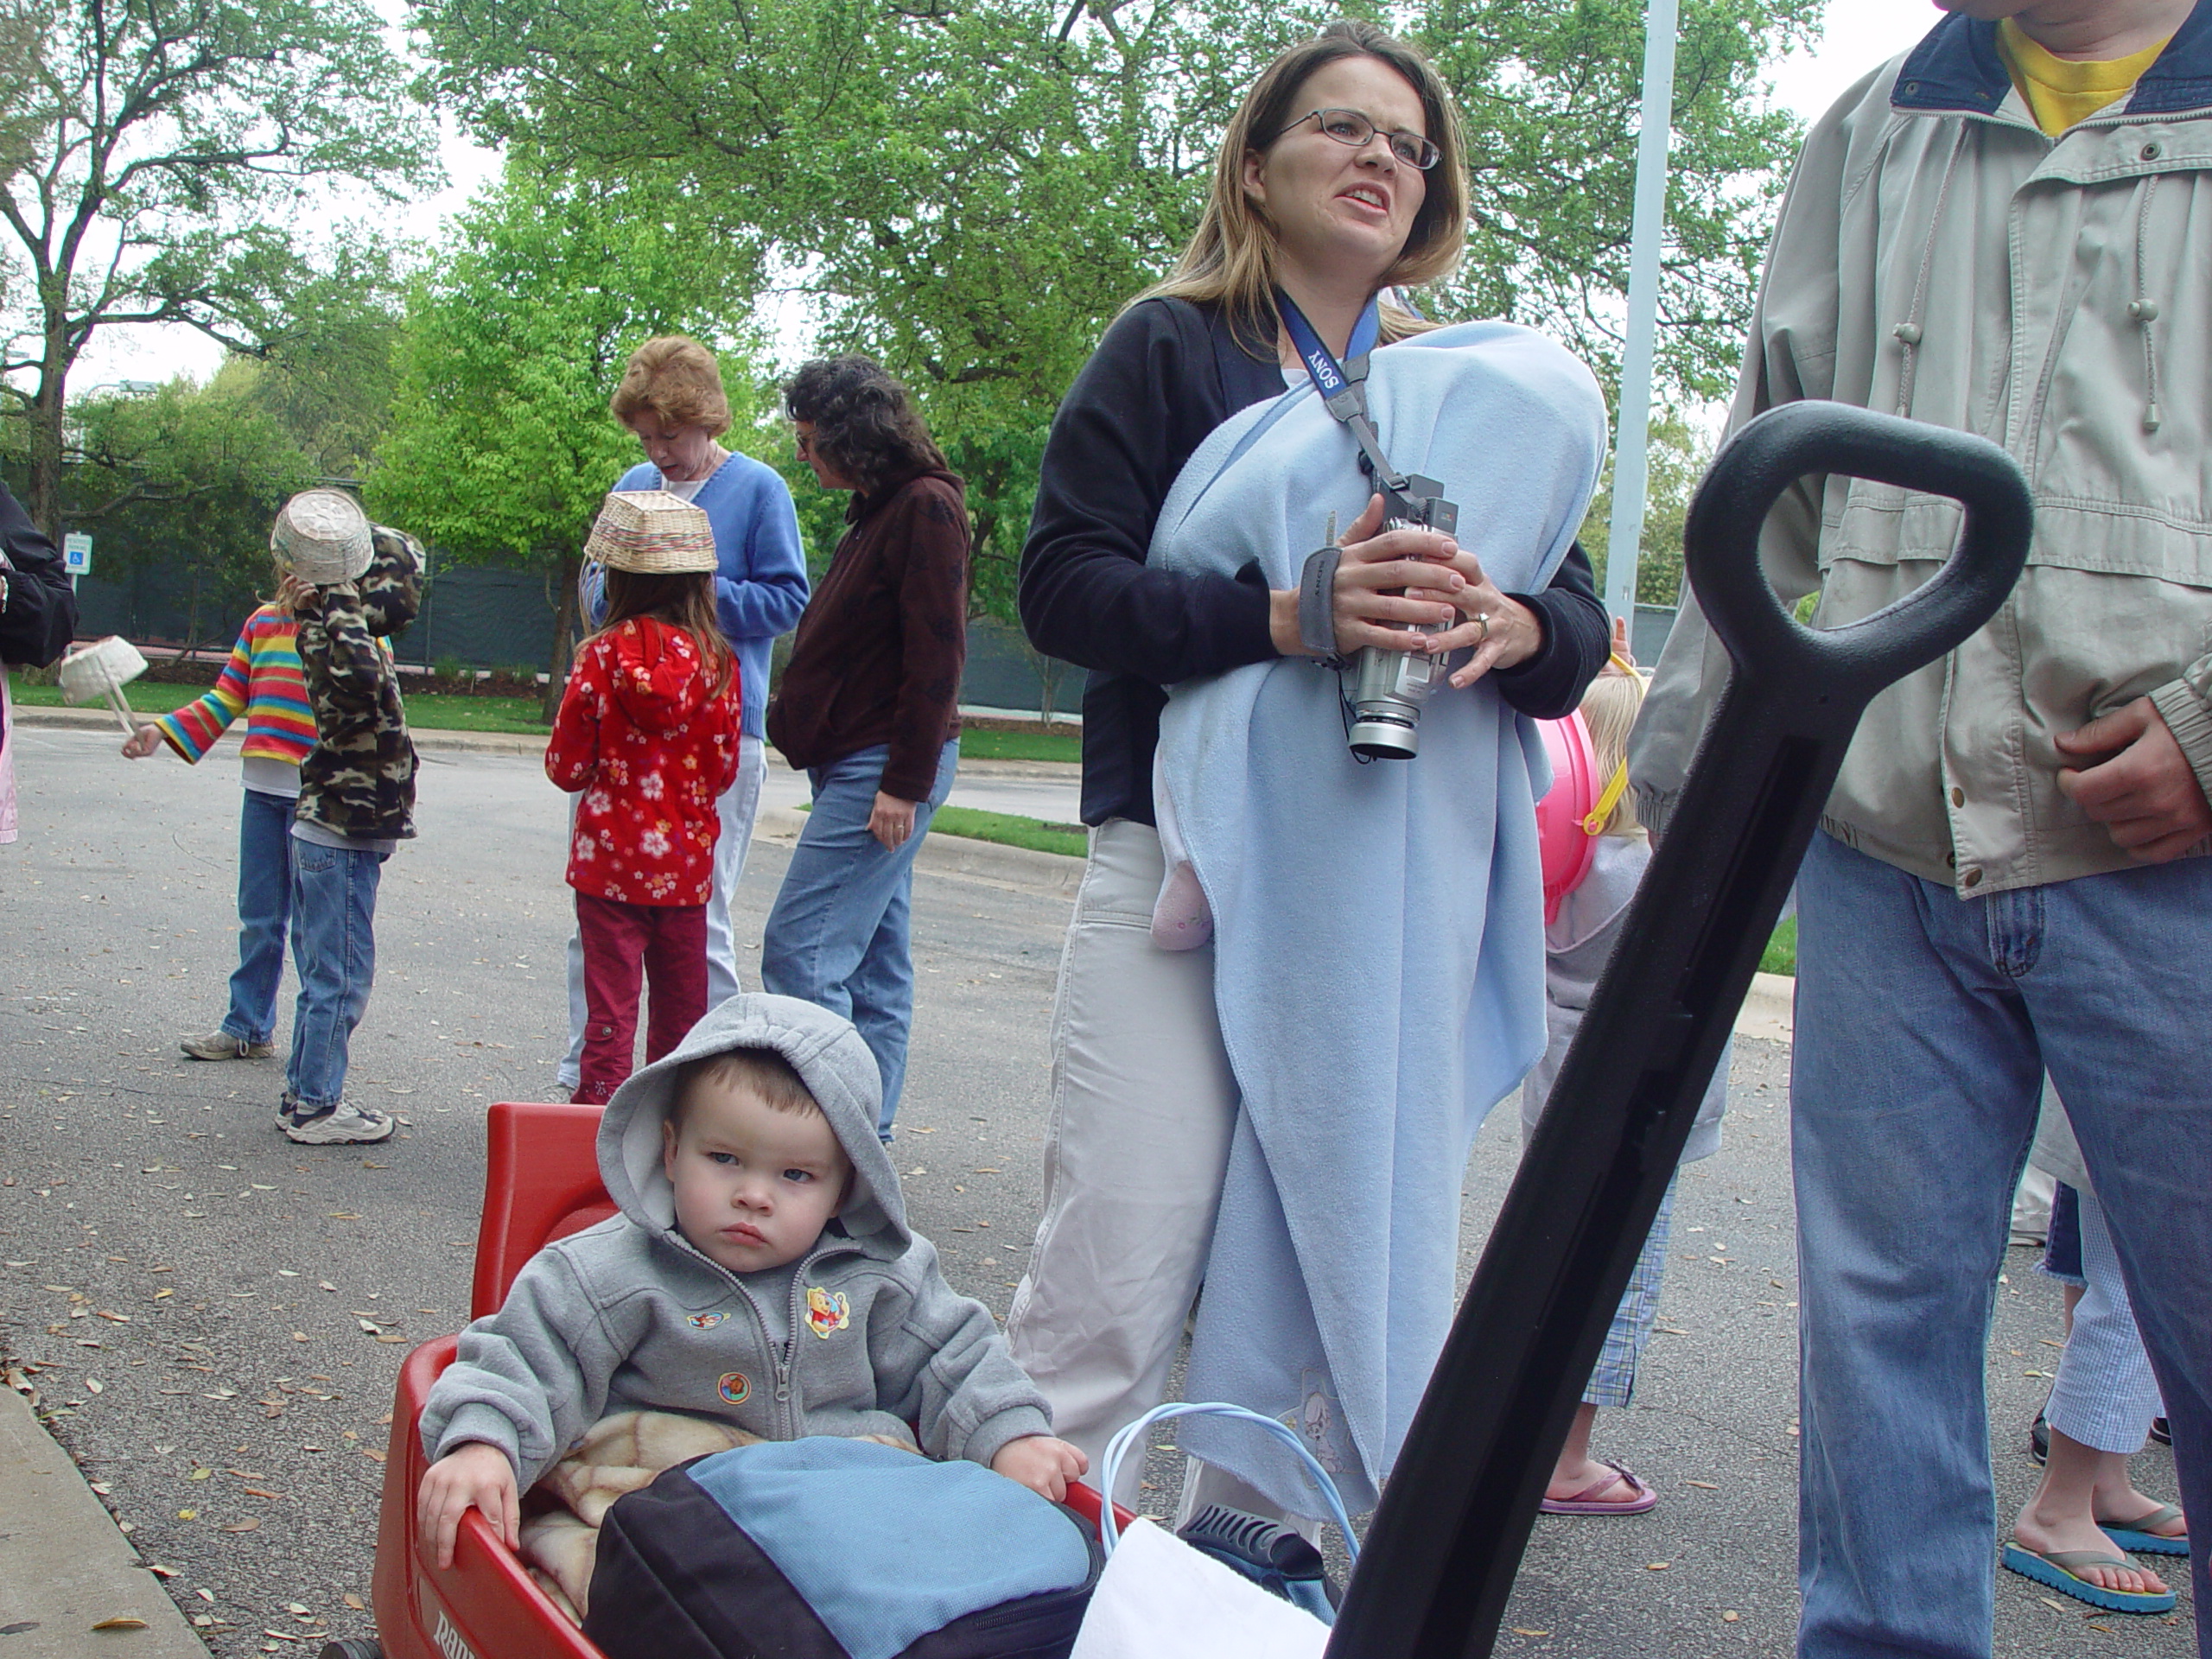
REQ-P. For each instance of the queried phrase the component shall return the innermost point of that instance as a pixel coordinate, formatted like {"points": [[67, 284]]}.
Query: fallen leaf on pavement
{"points": [[96, 1385], [160, 1571], [355, 1602], [246, 1525], [123, 1622]]}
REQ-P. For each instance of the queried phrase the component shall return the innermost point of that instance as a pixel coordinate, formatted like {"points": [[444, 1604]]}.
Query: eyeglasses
{"points": [[1351, 128]]}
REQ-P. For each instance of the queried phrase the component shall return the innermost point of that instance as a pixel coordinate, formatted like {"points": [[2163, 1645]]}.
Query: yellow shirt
{"points": [[2061, 91]]}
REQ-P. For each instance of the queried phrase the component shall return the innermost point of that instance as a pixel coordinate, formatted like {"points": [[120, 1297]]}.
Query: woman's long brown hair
{"points": [[683, 600], [1230, 261]]}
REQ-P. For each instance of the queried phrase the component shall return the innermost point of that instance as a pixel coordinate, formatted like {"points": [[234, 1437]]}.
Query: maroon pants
{"points": [[622, 943]]}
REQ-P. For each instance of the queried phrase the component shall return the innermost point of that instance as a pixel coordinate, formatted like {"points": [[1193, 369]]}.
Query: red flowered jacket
{"points": [[643, 736]]}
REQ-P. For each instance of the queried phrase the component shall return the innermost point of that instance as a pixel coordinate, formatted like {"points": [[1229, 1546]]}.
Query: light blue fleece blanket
{"points": [[1379, 930]]}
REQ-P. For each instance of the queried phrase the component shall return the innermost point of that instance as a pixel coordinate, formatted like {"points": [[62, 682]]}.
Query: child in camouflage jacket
{"points": [[351, 584]]}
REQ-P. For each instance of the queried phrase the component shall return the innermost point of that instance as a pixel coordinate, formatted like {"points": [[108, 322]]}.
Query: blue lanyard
{"points": [[1344, 388], [1329, 377]]}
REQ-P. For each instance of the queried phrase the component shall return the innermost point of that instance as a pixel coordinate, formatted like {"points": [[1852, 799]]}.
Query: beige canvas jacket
{"points": [[1939, 258]]}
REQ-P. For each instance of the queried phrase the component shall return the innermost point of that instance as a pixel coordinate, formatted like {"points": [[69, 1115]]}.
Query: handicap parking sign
{"points": [[76, 553]]}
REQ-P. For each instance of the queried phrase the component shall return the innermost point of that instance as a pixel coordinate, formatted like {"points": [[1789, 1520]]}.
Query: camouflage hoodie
{"points": [[359, 780]]}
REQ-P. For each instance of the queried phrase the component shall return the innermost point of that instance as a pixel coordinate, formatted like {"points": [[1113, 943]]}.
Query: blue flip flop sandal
{"points": [[2057, 1570], [2138, 1536]]}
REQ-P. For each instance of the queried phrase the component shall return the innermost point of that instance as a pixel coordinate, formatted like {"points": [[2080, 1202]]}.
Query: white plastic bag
{"points": [[1159, 1599]]}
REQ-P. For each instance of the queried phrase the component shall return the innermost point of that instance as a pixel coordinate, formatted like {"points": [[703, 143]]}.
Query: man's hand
{"points": [[142, 742], [1042, 1464], [474, 1476], [891, 820], [2144, 792]]}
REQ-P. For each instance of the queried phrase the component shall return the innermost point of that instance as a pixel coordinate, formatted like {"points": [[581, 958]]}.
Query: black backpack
{"points": [[827, 1548]]}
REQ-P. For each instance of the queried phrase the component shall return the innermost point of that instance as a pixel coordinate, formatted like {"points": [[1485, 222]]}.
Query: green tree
{"points": [[1677, 458], [188, 477], [500, 445], [174, 143], [969, 189]]}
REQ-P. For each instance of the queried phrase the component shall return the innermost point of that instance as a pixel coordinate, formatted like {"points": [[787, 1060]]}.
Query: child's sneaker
{"points": [[221, 1046], [344, 1124]]}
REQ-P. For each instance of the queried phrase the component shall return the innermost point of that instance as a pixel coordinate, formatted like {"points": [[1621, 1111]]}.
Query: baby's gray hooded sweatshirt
{"points": [[628, 1315]]}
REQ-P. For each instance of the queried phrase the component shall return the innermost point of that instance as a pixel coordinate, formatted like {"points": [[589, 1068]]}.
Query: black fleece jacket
{"points": [[40, 615], [1166, 374]]}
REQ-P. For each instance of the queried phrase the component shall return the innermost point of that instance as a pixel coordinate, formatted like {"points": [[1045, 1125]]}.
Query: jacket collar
{"points": [[1956, 70]]}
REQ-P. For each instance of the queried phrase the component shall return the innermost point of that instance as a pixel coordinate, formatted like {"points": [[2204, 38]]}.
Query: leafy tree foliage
{"points": [[1680, 451], [172, 144], [501, 446], [186, 477], [969, 189]]}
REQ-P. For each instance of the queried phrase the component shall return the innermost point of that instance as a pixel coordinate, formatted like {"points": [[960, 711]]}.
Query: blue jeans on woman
{"points": [[334, 948], [264, 912], [838, 935], [1924, 1024]]}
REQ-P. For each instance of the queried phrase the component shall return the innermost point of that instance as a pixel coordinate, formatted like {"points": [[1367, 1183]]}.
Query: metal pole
{"points": [[1631, 472]]}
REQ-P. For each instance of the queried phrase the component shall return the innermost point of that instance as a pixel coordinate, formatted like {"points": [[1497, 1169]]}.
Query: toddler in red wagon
{"points": [[648, 734]]}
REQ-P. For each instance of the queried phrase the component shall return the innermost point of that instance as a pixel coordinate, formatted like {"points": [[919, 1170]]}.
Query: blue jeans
{"points": [[264, 911], [838, 935], [334, 948], [1924, 1023]]}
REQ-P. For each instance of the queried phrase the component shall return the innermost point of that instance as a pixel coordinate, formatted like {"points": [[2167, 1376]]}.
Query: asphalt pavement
{"points": [[213, 1317]]}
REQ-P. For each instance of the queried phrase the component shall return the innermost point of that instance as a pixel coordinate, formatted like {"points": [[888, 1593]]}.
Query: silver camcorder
{"points": [[1389, 687]]}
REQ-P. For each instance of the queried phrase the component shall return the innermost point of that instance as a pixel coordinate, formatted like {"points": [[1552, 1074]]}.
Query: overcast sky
{"points": [[1859, 35]]}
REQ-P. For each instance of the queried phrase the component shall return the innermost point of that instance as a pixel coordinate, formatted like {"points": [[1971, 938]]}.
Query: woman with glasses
{"points": [[1284, 1113]]}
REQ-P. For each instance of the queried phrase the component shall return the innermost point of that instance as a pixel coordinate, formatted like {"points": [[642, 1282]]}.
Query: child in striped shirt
{"points": [[262, 681]]}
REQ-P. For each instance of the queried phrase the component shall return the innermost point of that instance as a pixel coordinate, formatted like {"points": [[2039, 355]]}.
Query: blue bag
{"points": [[827, 1548]]}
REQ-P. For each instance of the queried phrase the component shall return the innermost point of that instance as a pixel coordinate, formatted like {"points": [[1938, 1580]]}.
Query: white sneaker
{"points": [[344, 1124]]}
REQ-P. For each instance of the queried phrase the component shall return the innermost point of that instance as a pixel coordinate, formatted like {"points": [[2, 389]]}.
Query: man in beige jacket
{"points": [[2006, 231]]}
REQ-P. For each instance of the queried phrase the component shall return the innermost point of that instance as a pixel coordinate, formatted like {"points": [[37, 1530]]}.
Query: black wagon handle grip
{"points": [[1771, 453]]}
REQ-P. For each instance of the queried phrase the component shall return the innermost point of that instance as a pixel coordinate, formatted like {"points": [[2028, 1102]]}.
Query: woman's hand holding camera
{"points": [[1389, 579]]}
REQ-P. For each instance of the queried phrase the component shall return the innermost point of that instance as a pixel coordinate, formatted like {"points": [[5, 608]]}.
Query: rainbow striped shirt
{"points": [[263, 681]]}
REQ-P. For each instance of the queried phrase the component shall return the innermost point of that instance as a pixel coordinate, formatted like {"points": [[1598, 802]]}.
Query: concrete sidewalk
{"points": [[70, 1582]]}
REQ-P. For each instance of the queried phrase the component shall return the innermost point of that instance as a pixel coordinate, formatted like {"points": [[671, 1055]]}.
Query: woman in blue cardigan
{"points": [[671, 397]]}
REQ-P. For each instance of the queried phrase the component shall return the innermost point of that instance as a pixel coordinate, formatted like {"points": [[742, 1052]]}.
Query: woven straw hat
{"points": [[322, 536], [652, 533]]}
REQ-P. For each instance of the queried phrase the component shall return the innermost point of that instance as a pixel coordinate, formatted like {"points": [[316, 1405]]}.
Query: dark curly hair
{"points": [[865, 424]]}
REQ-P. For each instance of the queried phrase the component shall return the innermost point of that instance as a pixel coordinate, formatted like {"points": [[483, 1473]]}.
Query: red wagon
{"points": [[541, 1182]]}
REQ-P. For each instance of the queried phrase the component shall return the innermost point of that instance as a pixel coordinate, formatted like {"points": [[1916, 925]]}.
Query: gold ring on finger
{"points": [[1483, 617]]}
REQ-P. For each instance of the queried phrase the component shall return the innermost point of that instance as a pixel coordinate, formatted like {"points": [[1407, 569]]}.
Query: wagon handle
{"points": [[1851, 664], [1456, 1512]]}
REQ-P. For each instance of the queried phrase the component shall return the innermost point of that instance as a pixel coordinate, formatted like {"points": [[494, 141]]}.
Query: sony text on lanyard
{"points": [[1407, 498]]}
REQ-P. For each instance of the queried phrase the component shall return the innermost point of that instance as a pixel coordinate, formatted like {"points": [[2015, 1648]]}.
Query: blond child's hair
{"points": [[1609, 710]]}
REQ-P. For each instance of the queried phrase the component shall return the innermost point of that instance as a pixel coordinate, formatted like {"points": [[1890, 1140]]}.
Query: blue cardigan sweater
{"points": [[761, 587]]}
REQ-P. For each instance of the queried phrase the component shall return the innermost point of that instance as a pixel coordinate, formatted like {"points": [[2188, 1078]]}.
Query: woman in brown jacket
{"points": [[868, 705]]}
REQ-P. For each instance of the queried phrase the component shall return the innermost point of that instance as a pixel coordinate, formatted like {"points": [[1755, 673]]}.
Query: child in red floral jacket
{"points": [[648, 732]]}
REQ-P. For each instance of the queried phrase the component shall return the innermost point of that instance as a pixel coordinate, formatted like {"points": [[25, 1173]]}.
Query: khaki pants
{"points": [[1143, 1102]]}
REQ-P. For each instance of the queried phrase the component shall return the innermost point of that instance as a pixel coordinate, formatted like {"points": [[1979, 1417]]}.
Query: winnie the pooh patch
{"points": [[828, 1311]]}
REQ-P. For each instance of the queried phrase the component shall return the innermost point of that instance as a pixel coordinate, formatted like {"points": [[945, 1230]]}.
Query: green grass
{"points": [[444, 711], [1020, 745], [1781, 956], [1008, 830], [432, 711]]}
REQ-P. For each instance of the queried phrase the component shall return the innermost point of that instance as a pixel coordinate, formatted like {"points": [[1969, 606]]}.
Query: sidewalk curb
{"points": [[438, 737], [1766, 1012], [63, 1565], [1769, 1009], [1049, 873]]}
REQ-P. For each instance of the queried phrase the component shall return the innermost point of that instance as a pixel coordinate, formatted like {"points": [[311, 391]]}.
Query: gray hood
{"points": [[838, 1070]]}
